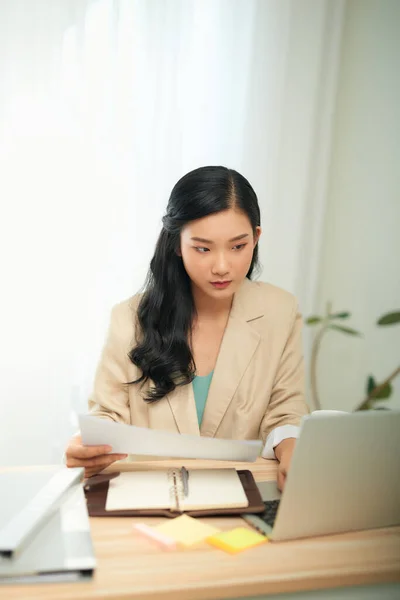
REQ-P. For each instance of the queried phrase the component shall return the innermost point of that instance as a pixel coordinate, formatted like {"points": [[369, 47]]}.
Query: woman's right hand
{"points": [[92, 458]]}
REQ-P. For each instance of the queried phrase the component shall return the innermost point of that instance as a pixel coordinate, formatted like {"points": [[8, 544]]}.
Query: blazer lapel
{"points": [[183, 408], [238, 345]]}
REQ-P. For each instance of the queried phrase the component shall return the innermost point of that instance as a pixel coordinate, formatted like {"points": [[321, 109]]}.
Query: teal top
{"points": [[201, 385]]}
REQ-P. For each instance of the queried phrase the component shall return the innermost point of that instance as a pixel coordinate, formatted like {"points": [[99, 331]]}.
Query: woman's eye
{"points": [[239, 247], [202, 250]]}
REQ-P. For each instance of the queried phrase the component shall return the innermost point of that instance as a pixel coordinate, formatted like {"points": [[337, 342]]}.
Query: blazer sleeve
{"points": [[110, 398], [287, 404]]}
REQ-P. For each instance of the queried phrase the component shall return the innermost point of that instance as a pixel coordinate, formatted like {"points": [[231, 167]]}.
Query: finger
{"points": [[79, 451], [90, 471], [105, 459], [281, 480]]}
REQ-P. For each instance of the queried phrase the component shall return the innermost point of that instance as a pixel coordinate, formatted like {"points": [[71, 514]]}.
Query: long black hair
{"points": [[166, 309]]}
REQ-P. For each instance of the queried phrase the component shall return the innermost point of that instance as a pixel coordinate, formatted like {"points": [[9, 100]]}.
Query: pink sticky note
{"points": [[160, 538]]}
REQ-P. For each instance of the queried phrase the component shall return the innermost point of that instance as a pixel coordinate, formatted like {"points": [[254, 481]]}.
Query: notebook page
{"points": [[214, 488], [139, 490]]}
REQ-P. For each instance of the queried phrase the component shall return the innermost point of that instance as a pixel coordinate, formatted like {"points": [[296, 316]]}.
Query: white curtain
{"points": [[104, 104]]}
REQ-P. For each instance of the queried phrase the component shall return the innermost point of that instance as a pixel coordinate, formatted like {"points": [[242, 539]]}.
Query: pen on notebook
{"points": [[185, 481]]}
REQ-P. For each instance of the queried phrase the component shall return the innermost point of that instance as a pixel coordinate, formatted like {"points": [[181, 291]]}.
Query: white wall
{"points": [[104, 105], [360, 267]]}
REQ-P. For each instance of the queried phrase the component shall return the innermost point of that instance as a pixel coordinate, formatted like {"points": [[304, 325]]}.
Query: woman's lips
{"points": [[220, 285]]}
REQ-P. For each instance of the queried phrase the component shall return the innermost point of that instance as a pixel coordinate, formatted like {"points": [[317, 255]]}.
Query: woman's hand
{"points": [[92, 458], [283, 453]]}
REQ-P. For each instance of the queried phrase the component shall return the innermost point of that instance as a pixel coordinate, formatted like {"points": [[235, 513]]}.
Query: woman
{"points": [[204, 350]]}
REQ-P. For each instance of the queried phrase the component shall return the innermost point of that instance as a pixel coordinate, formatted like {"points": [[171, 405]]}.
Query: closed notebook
{"points": [[207, 489]]}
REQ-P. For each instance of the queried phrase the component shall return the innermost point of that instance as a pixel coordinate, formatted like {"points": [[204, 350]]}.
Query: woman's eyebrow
{"points": [[239, 237], [234, 239]]}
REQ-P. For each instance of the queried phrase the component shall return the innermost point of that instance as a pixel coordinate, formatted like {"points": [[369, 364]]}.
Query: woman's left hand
{"points": [[284, 453]]}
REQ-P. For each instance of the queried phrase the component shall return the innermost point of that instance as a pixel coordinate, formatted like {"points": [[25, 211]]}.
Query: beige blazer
{"points": [[258, 381]]}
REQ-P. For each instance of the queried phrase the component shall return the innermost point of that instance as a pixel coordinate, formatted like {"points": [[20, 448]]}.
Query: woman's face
{"points": [[217, 252]]}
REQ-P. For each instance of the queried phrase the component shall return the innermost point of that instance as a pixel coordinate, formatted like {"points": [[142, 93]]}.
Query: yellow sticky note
{"points": [[186, 530], [237, 540]]}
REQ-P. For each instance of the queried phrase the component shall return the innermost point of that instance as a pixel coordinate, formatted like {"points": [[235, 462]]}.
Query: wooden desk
{"points": [[130, 566]]}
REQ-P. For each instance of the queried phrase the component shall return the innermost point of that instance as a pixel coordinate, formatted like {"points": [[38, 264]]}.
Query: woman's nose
{"points": [[221, 265]]}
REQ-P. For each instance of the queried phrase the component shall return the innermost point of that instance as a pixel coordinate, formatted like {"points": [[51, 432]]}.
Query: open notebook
{"points": [[207, 489]]}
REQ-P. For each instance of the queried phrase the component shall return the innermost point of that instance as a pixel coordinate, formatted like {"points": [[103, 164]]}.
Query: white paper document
{"points": [[129, 439]]}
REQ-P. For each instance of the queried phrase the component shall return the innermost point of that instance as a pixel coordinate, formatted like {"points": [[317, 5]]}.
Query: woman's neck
{"points": [[208, 308]]}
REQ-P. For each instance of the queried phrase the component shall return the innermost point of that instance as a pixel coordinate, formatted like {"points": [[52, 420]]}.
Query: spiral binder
{"points": [[96, 490]]}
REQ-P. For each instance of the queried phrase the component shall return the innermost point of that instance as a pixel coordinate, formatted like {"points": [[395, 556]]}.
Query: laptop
{"points": [[60, 549], [27, 501], [344, 476]]}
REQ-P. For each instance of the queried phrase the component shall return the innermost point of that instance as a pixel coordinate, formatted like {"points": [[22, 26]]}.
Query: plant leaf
{"points": [[341, 315], [384, 393], [390, 318], [343, 329], [366, 406], [313, 320], [371, 384]]}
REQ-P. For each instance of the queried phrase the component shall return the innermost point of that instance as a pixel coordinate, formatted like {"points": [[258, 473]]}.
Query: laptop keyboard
{"points": [[269, 514]]}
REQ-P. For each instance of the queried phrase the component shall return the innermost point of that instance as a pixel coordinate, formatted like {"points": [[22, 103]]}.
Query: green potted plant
{"points": [[333, 321]]}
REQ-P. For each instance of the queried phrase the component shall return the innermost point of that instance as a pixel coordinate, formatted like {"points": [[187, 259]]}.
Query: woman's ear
{"points": [[257, 235]]}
